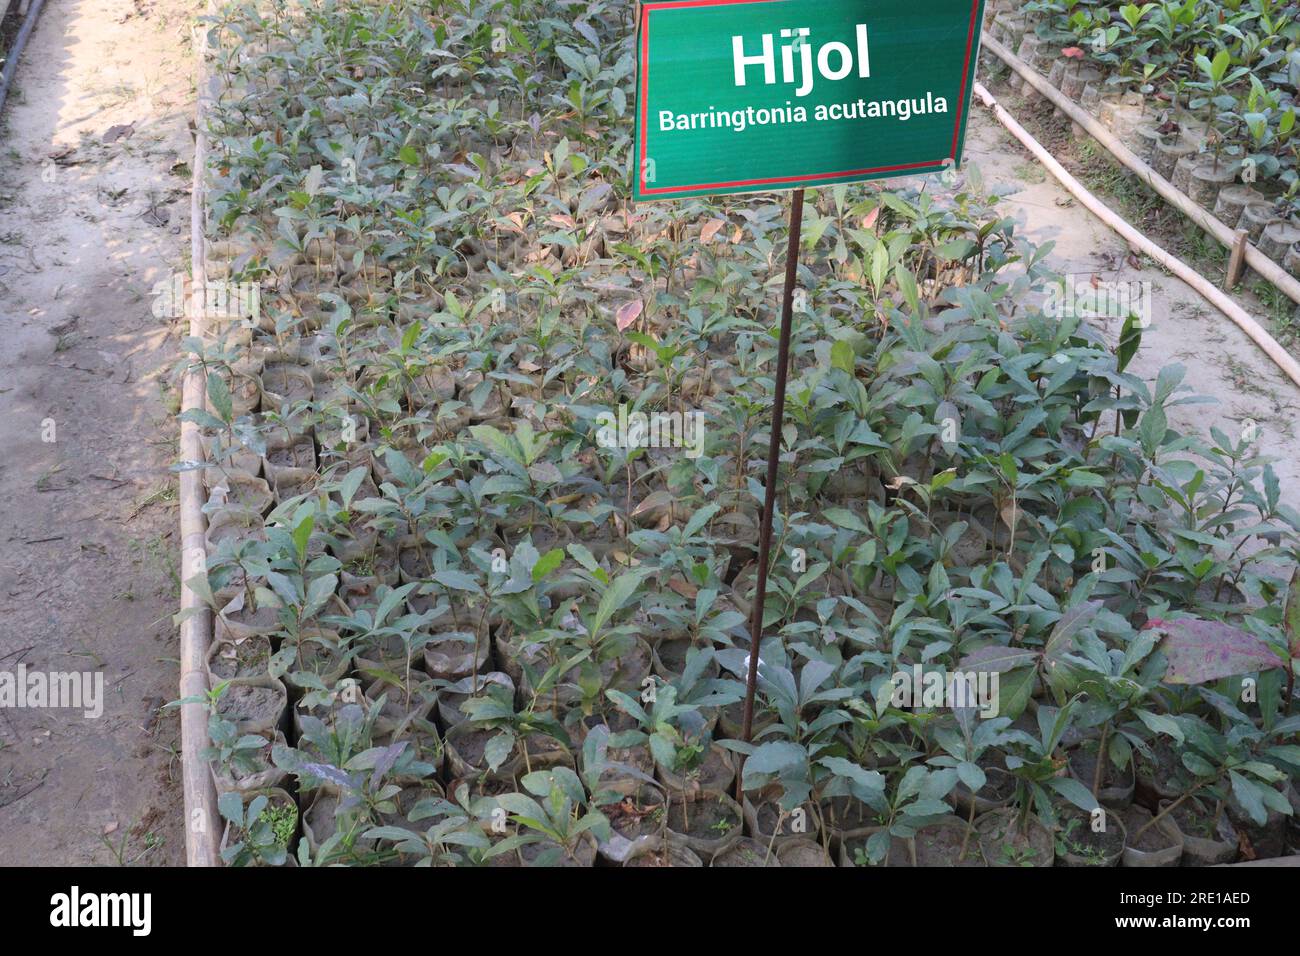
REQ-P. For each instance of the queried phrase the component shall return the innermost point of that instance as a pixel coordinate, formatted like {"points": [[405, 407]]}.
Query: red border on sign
{"points": [[645, 91]]}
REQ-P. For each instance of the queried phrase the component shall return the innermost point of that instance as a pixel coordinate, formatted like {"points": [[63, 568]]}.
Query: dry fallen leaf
{"points": [[711, 229], [121, 131], [627, 314], [684, 587]]}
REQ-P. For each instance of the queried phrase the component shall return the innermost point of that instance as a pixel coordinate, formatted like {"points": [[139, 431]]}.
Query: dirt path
{"points": [[1221, 361], [93, 212]]}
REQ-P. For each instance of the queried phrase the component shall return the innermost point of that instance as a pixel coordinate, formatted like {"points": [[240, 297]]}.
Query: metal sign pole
{"points": [[769, 491]]}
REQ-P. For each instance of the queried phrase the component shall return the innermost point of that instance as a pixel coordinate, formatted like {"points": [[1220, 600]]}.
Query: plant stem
{"points": [[970, 828], [1101, 756], [1147, 826]]}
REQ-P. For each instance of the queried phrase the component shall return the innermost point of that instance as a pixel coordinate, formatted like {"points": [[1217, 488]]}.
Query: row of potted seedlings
{"points": [[1210, 109]]}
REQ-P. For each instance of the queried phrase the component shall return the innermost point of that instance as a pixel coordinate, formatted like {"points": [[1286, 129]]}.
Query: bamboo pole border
{"points": [[202, 822]]}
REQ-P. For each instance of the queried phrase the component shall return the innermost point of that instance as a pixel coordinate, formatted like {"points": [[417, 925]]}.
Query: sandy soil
{"points": [[93, 212]]}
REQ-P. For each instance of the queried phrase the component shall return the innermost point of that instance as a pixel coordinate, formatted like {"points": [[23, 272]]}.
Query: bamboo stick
{"points": [[20, 41], [202, 823]]}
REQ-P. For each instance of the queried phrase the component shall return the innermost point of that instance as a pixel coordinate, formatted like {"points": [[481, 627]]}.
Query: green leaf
{"points": [[869, 779], [1130, 339], [1248, 794], [843, 356], [348, 487], [409, 336], [907, 285], [1287, 753], [698, 520], [628, 705], [845, 519], [972, 775], [520, 805], [498, 749], [1197, 764], [302, 534], [231, 805], [456, 580], [583, 555], [391, 600], [927, 808], [1075, 792], [617, 594], [1162, 724], [203, 419], [219, 396], [408, 155], [547, 563], [956, 249], [1014, 689], [498, 442], [1219, 65], [996, 659], [775, 756], [1072, 621], [662, 749], [319, 591]]}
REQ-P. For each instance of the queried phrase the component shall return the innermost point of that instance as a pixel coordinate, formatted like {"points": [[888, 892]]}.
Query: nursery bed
{"points": [[430, 412], [1133, 118]]}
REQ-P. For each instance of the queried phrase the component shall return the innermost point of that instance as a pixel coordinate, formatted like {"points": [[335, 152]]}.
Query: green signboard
{"points": [[763, 95]]}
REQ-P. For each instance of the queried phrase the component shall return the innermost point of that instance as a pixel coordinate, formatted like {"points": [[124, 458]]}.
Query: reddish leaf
{"points": [[1201, 651], [627, 313], [1073, 52]]}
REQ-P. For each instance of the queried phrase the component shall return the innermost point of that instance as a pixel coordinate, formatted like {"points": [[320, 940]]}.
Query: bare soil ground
{"points": [[94, 180]]}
